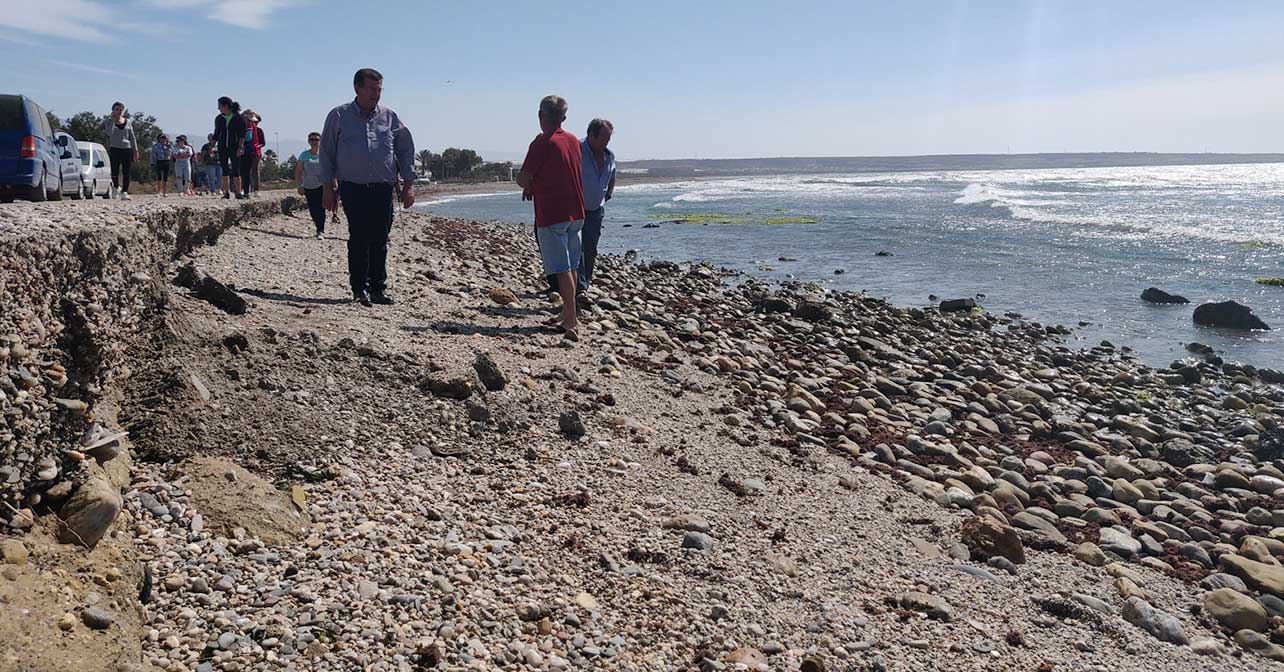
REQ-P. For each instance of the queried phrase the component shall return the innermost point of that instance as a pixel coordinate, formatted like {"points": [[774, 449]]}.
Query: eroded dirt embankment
{"points": [[80, 283]]}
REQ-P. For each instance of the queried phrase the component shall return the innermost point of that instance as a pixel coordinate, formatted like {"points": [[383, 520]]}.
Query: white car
{"points": [[95, 167], [69, 151]]}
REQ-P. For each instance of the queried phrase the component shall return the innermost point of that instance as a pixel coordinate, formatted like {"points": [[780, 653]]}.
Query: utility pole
{"points": [[278, 145]]}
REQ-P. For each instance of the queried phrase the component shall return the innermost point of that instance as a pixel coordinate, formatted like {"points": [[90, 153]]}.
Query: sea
{"points": [[1070, 246]]}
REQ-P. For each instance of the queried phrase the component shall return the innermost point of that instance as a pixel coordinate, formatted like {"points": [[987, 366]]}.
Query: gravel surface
{"points": [[767, 477]]}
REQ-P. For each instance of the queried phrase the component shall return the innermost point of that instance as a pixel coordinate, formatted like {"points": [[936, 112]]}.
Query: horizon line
{"points": [[961, 155]]}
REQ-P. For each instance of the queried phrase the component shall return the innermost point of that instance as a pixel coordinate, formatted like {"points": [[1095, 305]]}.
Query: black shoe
{"points": [[381, 299], [227, 196], [361, 298]]}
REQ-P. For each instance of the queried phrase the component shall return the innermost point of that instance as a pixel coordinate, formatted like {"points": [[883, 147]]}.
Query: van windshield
{"points": [[11, 114], [84, 156]]}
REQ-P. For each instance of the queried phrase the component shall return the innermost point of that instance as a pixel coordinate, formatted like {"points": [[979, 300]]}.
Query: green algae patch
{"points": [[790, 220], [1274, 282], [1252, 245]]}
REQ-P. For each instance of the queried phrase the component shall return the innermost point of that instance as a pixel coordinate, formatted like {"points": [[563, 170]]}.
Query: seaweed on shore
{"points": [[1273, 282]]}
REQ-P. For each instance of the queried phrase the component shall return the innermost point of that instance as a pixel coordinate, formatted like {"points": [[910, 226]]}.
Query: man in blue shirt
{"points": [[597, 173], [364, 148]]}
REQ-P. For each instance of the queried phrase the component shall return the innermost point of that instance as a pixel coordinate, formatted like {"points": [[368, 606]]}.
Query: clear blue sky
{"points": [[685, 79]]}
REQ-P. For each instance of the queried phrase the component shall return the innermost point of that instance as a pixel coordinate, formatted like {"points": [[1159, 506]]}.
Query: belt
{"points": [[366, 185]]}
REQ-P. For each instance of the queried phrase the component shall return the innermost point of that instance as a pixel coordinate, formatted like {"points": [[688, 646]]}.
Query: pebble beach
{"points": [[724, 473]]}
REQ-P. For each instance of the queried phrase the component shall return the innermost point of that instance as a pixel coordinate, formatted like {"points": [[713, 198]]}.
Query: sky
{"points": [[707, 79]]}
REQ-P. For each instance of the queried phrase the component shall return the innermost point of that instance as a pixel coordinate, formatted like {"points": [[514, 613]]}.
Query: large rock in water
{"points": [[90, 512], [955, 305], [1156, 295], [1228, 314]]}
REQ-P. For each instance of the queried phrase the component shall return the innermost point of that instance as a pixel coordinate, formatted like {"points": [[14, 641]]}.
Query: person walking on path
{"points": [[597, 170], [213, 168], [229, 134], [183, 154], [253, 152], [122, 149], [307, 175], [551, 176], [162, 162], [364, 148]]}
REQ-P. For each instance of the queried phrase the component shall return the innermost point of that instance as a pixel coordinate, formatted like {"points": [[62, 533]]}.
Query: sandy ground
{"points": [[527, 548]]}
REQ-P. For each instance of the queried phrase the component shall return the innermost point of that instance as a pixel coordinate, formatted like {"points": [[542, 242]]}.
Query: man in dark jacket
{"points": [[229, 133]]}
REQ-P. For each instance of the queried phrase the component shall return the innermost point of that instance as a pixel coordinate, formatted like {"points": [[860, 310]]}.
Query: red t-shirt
{"points": [[553, 162]]}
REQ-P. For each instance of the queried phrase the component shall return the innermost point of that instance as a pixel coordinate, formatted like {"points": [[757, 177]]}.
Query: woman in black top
{"points": [[229, 133]]}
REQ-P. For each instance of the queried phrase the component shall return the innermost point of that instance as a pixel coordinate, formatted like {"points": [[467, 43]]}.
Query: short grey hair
{"points": [[596, 126], [553, 107]]}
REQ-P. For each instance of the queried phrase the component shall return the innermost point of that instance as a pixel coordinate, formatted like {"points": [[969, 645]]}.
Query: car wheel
{"points": [[56, 194], [80, 191], [38, 192]]}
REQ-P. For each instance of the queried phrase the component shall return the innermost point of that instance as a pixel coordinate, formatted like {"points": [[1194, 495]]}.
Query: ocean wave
{"points": [[1105, 221]]}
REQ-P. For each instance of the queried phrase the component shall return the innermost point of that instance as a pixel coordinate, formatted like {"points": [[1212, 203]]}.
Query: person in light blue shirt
{"points": [[597, 173], [364, 149], [307, 174]]}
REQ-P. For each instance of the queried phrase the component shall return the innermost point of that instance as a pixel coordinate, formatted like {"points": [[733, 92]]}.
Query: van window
{"points": [[85, 158], [11, 114], [39, 123]]}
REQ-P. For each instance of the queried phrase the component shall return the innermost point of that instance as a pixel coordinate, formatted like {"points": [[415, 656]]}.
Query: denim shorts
{"points": [[559, 246]]}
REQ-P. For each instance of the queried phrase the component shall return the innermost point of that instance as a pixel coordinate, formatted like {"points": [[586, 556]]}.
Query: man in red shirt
{"points": [[551, 175]]}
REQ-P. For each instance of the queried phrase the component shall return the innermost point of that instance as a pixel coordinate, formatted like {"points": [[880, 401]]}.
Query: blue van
{"points": [[30, 163]]}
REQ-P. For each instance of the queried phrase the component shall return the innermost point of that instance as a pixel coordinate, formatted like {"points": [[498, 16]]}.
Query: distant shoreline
{"points": [[446, 190], [671, 169], [668, 171]]}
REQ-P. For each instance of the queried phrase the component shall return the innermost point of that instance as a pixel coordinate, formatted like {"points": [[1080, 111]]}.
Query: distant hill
{"points": [[879, 164]]}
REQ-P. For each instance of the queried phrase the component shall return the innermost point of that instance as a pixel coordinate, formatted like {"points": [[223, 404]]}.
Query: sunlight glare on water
{"points": [[1058, 245]]}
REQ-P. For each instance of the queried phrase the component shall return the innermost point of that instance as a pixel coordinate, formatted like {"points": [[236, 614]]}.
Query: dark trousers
{"points": [[249, 173], [122, 160], [315, 208], [589, 237], [368, 208]]}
